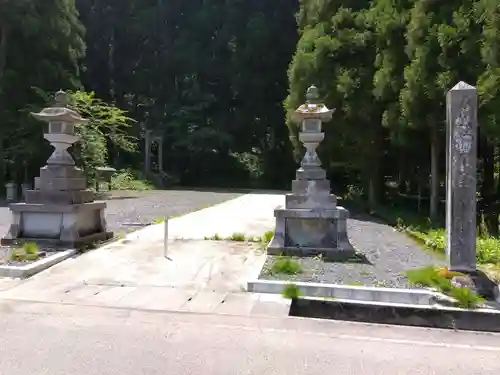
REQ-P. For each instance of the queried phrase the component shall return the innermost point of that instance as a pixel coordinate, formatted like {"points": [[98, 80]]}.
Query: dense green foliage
{"points": [[107, 128], [386, 66], [211, 76]]}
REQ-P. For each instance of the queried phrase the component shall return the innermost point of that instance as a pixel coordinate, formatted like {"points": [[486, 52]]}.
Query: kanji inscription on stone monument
{"points": [[461, 133]]}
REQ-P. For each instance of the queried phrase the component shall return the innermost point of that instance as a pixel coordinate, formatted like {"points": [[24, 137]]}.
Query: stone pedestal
{"points": [[59, 212], [311, 223]]}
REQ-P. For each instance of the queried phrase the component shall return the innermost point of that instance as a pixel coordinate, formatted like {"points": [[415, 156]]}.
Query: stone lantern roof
{"points": [[311, 109], [59, 111]]}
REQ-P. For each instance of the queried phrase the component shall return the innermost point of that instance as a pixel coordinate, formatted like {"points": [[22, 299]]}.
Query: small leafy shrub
{"points": [[128, 180], [440, 279], [429, 277], [268, 236], [466, 298], [488, 250], [30, 248], [250, 163], [29, 252], [215, 237], [291, 291], [237, 237], [17, 255], [400, 224], [435, 239], [354, 193], [285, 265]]}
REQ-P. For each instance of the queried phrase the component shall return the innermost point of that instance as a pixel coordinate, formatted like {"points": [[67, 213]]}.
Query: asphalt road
{"points": [[60, 340]]}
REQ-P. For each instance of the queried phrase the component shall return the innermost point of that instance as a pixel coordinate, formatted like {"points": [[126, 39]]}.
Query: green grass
{"points": [[433, 237], [355, 283], [242, 237], [158, 220], [237, 237], [128, 180], [285, 265], [440, 279]]}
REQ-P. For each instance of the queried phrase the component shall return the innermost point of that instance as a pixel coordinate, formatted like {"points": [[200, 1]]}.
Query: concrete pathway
{"points": [[196, 275]]}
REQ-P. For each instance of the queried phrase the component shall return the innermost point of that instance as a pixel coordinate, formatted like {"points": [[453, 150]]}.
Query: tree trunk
{"points": [[3, 62], [375, 171], [435, 182], [3, 50], [402, 185]]}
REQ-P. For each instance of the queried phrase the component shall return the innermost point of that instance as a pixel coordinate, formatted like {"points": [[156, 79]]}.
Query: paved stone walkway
{"points": [[196, 275]]}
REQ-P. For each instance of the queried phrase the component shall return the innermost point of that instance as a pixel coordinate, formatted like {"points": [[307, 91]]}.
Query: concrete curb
{"points": [[483, 320], [421, 297], [36, 267]]}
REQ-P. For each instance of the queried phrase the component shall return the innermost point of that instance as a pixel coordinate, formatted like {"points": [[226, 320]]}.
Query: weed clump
{"points": [[28, 252], [285, 265], [291, 291], [441, 279]]}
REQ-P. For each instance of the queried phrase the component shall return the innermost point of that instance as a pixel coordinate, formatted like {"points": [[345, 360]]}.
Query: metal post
{"points": [[165, 236]]}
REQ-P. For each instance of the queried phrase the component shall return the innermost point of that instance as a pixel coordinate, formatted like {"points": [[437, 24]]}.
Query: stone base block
{"points": [[301, 186], [305, 201], [310, 232], [61, 184], [311, 174], [59, 197], [49, 172], [330, 255], [60, 226]]}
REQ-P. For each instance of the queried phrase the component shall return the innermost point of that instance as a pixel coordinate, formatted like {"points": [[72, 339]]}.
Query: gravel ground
{"points": [[144, 207], [389, 254], [128, 208]]}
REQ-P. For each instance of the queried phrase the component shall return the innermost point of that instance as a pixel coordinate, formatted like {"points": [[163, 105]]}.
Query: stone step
{"points": [[204, 302], [272, 306], [238, 304]]}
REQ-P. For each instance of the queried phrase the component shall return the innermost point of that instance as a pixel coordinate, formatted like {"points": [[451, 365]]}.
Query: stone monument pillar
{"points": [[60, 211], [153, 148], [311, 223], [461, 105]]}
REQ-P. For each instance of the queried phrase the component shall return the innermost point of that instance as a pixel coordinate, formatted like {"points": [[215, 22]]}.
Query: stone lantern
{"points": [[311, 223], [59, 211]]}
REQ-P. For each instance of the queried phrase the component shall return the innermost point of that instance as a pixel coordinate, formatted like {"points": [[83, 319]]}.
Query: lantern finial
{"points": [[61, 99]]}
